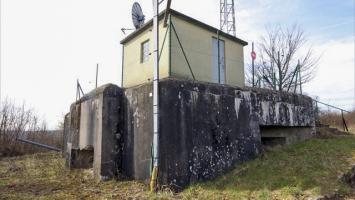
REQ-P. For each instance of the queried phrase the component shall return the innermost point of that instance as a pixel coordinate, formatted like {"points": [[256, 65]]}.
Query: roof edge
{"points": [[186, 18]]}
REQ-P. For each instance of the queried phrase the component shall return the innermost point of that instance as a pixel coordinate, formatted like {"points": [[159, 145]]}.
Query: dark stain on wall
{"points": [[205, 129]]}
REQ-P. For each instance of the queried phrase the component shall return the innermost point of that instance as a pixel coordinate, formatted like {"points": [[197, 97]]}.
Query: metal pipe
{"points": [[218, 58], [39, 145], [97, 72], [332, 106], [252, 65], [153, 181], [122, 68]]}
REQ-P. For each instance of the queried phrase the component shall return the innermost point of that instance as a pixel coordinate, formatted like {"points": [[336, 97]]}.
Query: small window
{"points": [[145, 51]]}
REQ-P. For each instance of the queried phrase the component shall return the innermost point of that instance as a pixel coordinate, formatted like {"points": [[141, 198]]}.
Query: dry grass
{"points": [[17, 148], [300, 171], [335, 120], [43, 176]]}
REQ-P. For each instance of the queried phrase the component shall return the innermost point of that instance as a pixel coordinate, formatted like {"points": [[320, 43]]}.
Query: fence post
{"points": [[344, 122], [317, 113]]}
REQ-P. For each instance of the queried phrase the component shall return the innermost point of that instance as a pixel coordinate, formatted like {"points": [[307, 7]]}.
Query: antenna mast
{"points": [[227, 17]]}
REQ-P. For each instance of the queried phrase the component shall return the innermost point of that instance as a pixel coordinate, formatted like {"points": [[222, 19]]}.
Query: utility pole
{"points": [[253, 56], [153, 181]]}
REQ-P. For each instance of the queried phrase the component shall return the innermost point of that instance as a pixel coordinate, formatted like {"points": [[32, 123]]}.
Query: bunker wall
{"points": [[93, 132], [206, 129]]}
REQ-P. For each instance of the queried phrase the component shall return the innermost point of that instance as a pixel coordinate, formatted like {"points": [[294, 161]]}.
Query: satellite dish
{"points": [[137, 16]]}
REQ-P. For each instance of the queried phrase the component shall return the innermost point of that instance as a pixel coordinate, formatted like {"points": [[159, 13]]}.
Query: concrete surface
{"points": [[94, 127], [205, 129]]}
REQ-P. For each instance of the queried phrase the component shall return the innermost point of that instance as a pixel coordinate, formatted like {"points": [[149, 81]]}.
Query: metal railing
{"points": [[344, 124], [44, 146]]}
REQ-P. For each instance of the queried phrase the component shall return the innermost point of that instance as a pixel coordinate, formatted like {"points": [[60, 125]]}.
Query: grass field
{"points": [[300, 171]]}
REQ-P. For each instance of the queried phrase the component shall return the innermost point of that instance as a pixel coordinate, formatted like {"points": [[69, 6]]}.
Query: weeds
{"points": [[300, 171]]}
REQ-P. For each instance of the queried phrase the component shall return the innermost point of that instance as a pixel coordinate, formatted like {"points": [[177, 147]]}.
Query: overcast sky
{"points": [[47, 44]]}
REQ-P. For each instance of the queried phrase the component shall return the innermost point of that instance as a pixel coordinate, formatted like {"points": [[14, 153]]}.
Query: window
{"points": [[218, 61], [145, 51]]}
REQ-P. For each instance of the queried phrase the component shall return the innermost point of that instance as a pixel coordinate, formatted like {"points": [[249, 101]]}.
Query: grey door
{"points": [[218, 64]]}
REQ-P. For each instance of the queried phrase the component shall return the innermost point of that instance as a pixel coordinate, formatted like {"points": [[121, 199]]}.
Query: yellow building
{"points": [[189, 49]]}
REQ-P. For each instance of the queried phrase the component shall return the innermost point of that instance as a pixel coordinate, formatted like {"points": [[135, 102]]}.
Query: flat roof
{"points": [[186, 18]]}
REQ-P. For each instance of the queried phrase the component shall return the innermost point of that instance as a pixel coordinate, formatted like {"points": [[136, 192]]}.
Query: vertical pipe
{"points": [[77, 90], [153, 181], [252, 65], [218, 58], [170, 46], [122, 68], [97, 72]]}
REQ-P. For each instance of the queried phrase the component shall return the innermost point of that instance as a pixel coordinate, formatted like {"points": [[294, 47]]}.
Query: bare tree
{"points": [[22, 122], [285, 62]]}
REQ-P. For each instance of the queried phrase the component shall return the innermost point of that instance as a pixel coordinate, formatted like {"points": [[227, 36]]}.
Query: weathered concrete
{"points": [[94, 126], [138, 135], [66, 131], [205, 129], [285, 135]]}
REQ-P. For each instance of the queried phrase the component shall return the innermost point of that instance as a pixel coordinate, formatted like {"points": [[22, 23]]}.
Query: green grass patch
{"points": [[307, 169], [302, 170]]}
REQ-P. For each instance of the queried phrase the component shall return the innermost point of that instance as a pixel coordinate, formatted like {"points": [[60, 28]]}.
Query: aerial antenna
{"points": [[126, 29], [137, 16], [227, 17]]}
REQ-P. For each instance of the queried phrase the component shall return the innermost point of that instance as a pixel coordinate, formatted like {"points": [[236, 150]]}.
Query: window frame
{"points": [[142, 52]]}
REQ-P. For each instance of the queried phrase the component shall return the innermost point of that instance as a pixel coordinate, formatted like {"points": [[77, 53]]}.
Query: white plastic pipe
{"points": [[153, 181]]}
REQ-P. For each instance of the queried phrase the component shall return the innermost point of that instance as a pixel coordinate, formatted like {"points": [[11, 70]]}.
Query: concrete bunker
{"points": [[93, 129], [206, 129]]}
